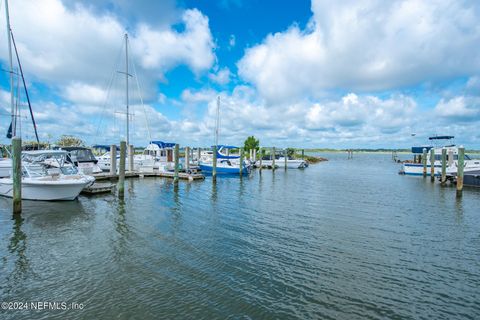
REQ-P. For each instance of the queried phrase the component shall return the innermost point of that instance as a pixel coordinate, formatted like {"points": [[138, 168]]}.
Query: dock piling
{"points": [[432, 164], [199, 154], [254, 156], [241, 162], [444, 166], [460, 164], [261, 156], [113, 159], [285, 159], [187, 158], [131, 152], [121, 170], [176, 155], [424, 161], [17, 174], [303, 154], [214, 164], [273, 158]]}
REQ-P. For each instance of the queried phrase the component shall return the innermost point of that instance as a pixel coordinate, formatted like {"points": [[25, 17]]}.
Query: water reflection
{"points": [[17, 247], [214, 192]]}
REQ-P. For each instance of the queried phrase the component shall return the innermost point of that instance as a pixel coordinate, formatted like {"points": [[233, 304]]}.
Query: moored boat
{"points": [[43, 181]]}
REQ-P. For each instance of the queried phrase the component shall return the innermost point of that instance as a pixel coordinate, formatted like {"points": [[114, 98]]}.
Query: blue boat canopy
{"points": [[226, 147], [441, 138], [163, 145], [103, 147], [420, 149]]}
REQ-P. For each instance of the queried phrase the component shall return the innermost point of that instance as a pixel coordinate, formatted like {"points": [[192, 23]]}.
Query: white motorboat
{"points": [[42, 181], [267, 161], [416, 168], [5, 167]]}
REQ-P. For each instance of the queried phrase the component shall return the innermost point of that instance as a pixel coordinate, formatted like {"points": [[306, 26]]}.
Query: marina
{"points": [[169, 160], [243, 248]]}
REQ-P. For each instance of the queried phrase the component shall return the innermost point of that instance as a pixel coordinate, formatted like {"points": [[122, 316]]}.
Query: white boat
{"points": [[41, 181], [267, 161], [416, 168], [5, 167], [226, 164]]}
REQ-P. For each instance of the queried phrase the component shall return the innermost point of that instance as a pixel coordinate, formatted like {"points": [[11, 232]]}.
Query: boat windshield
{"points": [[82, 155]]}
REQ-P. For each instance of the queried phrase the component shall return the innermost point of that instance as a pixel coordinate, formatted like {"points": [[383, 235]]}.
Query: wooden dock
{"points": [[99, 187], [139, 174]]}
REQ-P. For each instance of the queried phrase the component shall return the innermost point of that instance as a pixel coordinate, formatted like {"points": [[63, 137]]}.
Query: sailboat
{"points": [[226, 164], [157, 155], [41, 181]]}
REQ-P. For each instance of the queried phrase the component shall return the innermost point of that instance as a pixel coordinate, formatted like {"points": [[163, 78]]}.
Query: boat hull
{"points": [[47, 190], [207, 168]]}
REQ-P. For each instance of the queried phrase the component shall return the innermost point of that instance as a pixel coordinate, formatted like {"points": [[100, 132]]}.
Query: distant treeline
{"points": [[372, 150]]}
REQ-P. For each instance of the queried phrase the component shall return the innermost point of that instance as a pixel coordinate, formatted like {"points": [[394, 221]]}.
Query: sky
{"points": [[293, 73]]}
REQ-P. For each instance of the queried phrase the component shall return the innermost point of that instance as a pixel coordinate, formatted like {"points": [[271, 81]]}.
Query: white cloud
{"points": [[459, 108], [166, 48], [222, 77], [366, 45], [61, 44]]}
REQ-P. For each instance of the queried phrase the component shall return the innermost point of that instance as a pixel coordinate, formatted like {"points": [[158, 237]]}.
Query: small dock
{"points": [[140, 174], [99, 187]]}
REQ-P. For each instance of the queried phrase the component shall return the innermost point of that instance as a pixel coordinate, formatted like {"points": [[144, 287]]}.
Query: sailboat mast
{"points": [[126, 83], [11, 69], [217, 121]]}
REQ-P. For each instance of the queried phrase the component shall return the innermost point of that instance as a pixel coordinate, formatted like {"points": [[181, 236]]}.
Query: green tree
{"points": [[251, 144], [290, 152], [70, 141]]}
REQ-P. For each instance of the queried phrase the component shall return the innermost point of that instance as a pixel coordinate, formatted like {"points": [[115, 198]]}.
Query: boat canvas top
{"points": [[38, 153], [104, 147], [160, 145]]}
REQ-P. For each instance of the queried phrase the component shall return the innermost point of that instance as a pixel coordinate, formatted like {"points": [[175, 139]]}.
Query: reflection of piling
{"points": [[121, 170], [241, 161], [444, 166], [187, 158], [214, 164], [424, 161], [432, 164], [460, 163], [131, 152], [113, 159], [176, 155], [17, 174]]}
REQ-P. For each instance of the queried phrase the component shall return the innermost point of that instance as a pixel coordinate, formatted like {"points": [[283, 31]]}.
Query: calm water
{"points": [[345, 239]]}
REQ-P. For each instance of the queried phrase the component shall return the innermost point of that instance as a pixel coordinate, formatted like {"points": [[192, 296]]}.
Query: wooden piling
{"points": [[444, 166], [187, 158], [303, 154], [121, 170], [17, 174], [424, 161], [460, 164], [176, 155], [261, 156], [241, 161], [273, 158], [131, 152], [254, 156], [285, 159], [199, 154], [432, 164], [214, 163], [113, 159]]}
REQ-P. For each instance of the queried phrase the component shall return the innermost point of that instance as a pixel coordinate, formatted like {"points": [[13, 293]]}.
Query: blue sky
{"points": [[292, 73]]}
